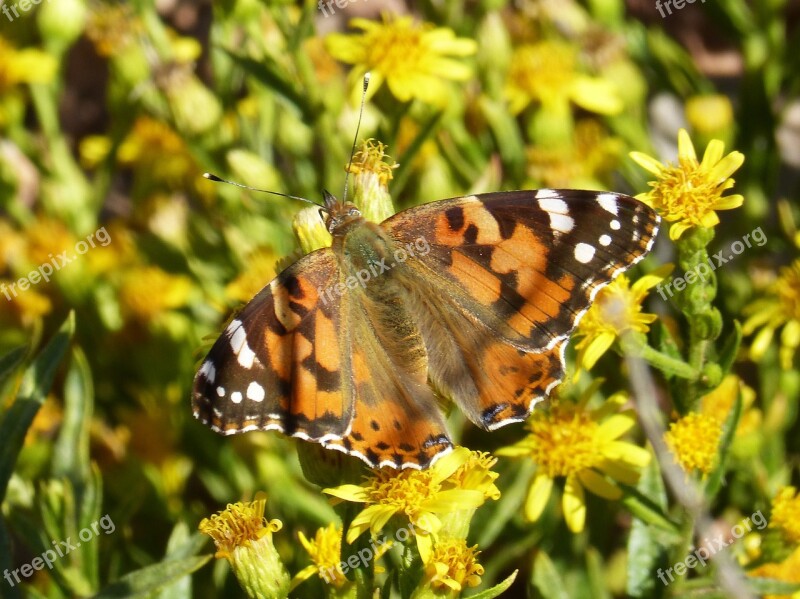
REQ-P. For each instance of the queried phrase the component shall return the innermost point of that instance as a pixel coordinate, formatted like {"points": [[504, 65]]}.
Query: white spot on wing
{"points": [[221, 391], [255, 392], [208, 371], [615, 225], [236, 397], [608, 201], [605, 240], [558, 211], [244, 355], [584, 253]]}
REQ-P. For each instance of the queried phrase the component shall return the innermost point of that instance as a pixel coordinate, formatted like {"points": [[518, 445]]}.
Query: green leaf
{"points": [[730, 348], [152, 578], [35, 384], [714, 482], [546, 578], [5, 561], [71, 451], [497, 589], [645, 550], [266, 72], [769, 586], [10, 361], [426, 130]]}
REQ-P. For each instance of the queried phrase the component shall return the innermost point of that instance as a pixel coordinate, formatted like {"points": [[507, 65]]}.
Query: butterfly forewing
{"points": [[277, 366]]}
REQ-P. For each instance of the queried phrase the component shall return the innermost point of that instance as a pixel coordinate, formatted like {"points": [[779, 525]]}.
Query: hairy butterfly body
{"points": [[474, 297]]}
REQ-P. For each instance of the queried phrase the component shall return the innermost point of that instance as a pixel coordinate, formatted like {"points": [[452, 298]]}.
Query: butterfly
{"points": [[471, 298]]}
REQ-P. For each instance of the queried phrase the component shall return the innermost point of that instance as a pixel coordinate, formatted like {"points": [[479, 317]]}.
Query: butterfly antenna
{"points": [[213, 177], [355, 138]]}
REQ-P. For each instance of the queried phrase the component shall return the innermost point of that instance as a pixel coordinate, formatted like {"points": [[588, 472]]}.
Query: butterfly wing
{"points": [[341, 368], [498, 282], [279, 363]]}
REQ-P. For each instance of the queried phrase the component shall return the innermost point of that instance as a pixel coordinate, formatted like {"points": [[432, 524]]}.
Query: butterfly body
{"points": [[474, 297]]}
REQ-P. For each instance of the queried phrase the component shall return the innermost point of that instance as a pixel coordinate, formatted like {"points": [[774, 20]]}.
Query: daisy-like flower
{"points": [[617, 309], [786, 514], [694, 441], [689, 193], [583, 446], [244, 537], [325, 550], [548, 73], [781, 308], [414, 59], [453, 566], [421, 496]]}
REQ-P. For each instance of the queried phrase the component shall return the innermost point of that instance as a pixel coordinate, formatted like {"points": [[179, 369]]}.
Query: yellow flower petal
{"points": [[574, 504], [647, 162], [616, 426], [600, 485], [686, 147], [538, 494]]}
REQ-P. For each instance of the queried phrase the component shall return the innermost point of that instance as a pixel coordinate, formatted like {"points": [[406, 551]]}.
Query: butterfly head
{"points": [[341, 216]]}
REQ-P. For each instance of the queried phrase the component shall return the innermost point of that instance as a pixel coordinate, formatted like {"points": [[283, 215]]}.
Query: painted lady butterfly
{"points": [[473, 298]]}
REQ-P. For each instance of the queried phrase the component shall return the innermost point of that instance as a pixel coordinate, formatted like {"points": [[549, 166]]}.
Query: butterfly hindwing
{"points": [[507, 277]]}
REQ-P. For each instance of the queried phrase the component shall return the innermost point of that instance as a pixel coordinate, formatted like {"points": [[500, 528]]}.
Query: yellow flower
{"points": [[547, 72], [781, 308], [694, 441], [112, 28], [259, 271], [24, 66], [372, 170], [23, 307], [689, 193], [584, 164], [786, 571], [584, 447], [453, 565], [244, 537], [617, 309], [148, 291], [414, 59], [786, 514], [421, 496], [719, 403], [326, 553], [154, 149], [709, 115]]}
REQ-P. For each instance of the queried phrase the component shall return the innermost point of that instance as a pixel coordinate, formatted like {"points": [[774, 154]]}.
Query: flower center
{"points": [[404, 492], [564, 442], [685, 192], [397, 48]]}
